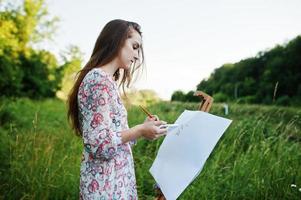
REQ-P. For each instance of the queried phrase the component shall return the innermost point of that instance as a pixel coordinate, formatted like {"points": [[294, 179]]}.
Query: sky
{"points": [[184, 41]]}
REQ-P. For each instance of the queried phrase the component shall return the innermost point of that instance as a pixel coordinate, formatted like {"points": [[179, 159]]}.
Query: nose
{"points": [[136, 56]]}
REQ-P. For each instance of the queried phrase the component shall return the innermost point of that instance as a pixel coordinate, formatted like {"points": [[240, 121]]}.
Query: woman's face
{"points": [[129, 53]]}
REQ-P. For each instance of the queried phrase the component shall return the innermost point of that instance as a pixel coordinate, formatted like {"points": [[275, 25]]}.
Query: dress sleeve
{"points": [[100, 139]]}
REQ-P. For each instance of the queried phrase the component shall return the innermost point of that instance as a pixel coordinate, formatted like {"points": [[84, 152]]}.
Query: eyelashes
{"points": [[136, 46]]}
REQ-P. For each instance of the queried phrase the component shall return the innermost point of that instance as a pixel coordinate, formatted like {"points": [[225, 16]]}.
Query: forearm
{"points": [[131, 134]]}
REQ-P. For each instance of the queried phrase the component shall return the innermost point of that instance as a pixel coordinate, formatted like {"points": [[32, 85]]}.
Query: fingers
{"points": [[157, 132], [161, 131], [164, 122], [158, 123], [156, 117], [153, 129], [153, 118]]}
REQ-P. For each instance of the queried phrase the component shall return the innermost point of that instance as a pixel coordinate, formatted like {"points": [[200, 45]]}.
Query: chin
{"points": [[126, 67]]}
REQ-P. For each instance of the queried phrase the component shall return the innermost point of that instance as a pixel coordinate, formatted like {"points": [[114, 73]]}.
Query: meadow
{"points": [[258, 157]]}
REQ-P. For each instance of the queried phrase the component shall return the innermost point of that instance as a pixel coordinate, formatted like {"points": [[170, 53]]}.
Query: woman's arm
{"points": [[99, 139], [149, 130]]}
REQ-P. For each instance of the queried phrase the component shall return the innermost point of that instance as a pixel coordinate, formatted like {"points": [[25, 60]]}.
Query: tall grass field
{"points": [[258, 157]]}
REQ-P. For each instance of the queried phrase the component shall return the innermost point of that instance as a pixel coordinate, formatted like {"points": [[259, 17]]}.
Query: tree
{"points": [[178, 96], [254, 79], [73, 59], [190, 97], [140, 97], [26, 71]]}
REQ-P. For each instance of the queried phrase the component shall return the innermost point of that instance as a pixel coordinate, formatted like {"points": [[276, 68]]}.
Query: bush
{"points": [[178, 96], [283, 100], [247, 99], [220, 97]]}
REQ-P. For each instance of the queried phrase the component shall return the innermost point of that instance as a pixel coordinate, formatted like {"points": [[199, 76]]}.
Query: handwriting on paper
{"points": [[181, 128]]}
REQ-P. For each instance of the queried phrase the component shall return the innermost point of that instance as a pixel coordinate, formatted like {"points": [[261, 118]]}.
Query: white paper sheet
{"points": [[185, 150]]}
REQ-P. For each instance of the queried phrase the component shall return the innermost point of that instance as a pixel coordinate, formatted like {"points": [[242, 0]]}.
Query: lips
{"points": [[133, 62], [130, 63]]}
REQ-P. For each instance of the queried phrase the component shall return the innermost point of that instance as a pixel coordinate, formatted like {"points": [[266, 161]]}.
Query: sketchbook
{"points": [[185, 150]]}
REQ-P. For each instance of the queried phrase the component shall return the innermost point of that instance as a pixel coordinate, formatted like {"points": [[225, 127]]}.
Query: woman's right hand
{"points": [[150, 129], [152, 118]]}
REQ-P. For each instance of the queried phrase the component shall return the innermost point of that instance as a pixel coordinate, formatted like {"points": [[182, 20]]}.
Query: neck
{"points": [[110, 67]]}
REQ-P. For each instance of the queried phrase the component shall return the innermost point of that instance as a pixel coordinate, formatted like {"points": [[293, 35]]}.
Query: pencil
{"points": [[146, 112]]}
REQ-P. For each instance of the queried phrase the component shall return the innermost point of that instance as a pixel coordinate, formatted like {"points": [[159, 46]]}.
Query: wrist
{"points": [[138, 130]]}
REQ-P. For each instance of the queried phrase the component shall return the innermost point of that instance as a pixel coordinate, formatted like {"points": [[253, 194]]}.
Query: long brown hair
{"points": [[108, 44]]}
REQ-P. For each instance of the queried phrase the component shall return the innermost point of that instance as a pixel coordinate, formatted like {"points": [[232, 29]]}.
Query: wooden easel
{"points": [[206, 101], [205, 105]]}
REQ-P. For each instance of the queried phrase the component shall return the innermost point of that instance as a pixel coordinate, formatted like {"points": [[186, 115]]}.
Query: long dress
{"points": [[107, 167]]}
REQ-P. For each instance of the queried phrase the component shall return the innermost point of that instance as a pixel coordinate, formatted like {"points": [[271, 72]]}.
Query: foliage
{"points": [[178, 96], [258, 157], [265, 78], [220, 97], [140, 97], [73, 59], [24, 70], [181, 96]]}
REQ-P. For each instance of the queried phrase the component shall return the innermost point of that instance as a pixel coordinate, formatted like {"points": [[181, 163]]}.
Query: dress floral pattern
{"points": [[107, 167]]}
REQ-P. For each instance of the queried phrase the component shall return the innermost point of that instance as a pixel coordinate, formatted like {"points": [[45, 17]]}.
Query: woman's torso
{"points": [[113, 177]]}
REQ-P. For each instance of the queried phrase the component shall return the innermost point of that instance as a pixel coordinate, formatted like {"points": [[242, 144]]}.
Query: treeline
{"points": [[271, 77], [26, 68]]}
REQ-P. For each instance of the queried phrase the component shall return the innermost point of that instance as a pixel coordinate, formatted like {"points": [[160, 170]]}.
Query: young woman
{"points": [[98, 115]]}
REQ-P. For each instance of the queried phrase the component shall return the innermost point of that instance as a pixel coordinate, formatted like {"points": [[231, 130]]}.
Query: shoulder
{"points": [[96, 80], [96, 75]]}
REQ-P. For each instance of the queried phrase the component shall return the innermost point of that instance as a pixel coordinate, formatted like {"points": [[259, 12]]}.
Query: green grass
{"points": [[258, 157]]}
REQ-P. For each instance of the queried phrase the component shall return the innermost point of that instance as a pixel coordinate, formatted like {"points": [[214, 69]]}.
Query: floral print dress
{"points": [[107, 167]]}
